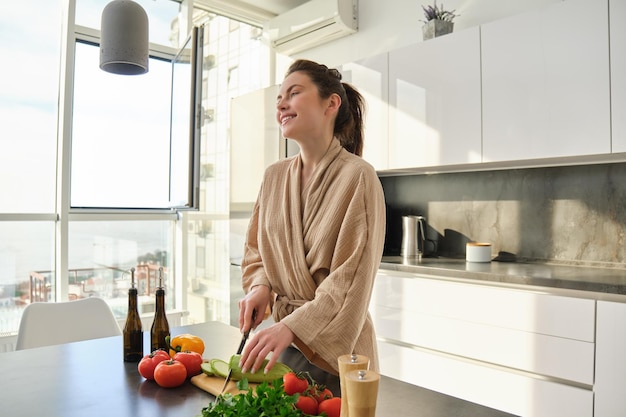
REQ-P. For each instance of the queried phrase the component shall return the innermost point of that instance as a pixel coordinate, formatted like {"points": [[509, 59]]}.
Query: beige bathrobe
{"points": [[318, 249]]}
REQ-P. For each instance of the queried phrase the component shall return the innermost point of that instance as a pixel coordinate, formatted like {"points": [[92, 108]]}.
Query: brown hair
{"points": [[349, 122]]}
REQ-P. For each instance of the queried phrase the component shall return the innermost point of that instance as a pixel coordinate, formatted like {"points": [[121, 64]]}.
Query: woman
{"points": [[316, 235]]}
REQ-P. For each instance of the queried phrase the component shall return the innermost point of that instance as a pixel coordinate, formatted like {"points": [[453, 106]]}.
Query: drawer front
{"points": [[532, 352], [527, 311], [511, 392]]}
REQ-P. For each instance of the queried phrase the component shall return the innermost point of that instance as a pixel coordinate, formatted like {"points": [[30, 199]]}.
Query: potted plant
{"points": [[438, 21]]}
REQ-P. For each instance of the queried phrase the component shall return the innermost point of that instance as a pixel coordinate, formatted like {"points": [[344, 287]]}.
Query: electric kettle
{"points": [[413, 236]]}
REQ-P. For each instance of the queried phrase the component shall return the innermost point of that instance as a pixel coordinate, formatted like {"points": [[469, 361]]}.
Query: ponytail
{"points": [[349, 122]]}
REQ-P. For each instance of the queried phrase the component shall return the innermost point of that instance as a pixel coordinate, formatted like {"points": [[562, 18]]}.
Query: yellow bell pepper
{"points": [[186, 342]]}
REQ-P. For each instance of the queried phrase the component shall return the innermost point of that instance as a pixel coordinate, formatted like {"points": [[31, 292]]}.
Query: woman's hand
{"points": [[274, 339], [257, 300]]}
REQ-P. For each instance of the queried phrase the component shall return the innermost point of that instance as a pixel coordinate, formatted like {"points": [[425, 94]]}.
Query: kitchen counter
{"points": [[595, 282]]}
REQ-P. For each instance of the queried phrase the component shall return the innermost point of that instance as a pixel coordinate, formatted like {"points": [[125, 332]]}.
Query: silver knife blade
{"points": [[239, 350]]}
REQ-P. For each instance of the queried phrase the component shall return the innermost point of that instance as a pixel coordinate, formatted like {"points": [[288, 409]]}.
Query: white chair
{"points": [[45, 324]]}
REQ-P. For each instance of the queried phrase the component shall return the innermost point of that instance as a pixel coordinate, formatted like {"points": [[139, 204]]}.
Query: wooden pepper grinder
{"points": [[347, 363], [362, 387]]}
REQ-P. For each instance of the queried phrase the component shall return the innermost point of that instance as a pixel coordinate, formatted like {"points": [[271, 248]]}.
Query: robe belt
{"points": [[283, 306]]}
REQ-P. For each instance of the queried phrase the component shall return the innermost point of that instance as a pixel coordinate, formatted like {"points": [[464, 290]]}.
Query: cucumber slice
{"points": [[207, 369], [219, 367]]}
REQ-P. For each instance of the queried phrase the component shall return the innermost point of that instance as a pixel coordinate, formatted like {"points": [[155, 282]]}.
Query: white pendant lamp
{"points": [[124, 38]]}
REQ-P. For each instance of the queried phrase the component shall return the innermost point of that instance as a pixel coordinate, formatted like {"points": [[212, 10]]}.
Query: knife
{"points": [[239, 350]]}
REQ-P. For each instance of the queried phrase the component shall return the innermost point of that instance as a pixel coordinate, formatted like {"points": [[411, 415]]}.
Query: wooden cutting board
{"points": [[214, 384]]}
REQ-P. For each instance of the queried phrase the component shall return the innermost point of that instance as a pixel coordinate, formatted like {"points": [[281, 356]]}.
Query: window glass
{"points": [[120, 136], [101, 254], [161, 14], [29, 88], [26, 250]]}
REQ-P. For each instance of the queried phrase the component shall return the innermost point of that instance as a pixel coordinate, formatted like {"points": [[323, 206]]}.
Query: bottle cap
{"points": [[160, 278], [132, 277]]}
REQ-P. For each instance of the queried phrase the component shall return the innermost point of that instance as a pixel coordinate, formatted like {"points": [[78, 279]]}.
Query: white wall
{"points": [[385, 25]]}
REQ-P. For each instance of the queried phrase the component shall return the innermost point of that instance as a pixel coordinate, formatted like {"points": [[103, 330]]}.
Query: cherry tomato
{"points": [[170, 374], [319, 392], [294, 383], [307, 404], [149, 362], [191, 360], [331, 406]]}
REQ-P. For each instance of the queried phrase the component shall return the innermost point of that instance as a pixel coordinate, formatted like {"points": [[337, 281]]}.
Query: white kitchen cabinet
{"points": [[610, 360], [532, 352], [434, 102], [370, 76], [545, 83], [618, 74]]}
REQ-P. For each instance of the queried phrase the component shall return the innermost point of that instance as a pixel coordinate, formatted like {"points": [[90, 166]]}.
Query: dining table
{"points": [[90, 379]]}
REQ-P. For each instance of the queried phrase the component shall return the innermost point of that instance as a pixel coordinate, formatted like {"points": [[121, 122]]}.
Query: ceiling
{"points": [[255, 12], [274, 6]]}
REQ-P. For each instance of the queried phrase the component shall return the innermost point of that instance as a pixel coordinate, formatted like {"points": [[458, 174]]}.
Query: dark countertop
{"points": [[607, 283], [90, 379]]}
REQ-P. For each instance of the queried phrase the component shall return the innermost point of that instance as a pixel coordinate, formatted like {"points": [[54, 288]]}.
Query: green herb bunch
{"points": [[435, 12], [264, 401]]}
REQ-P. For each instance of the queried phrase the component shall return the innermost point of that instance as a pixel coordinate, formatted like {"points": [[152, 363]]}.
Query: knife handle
{"points": [[246, 334]]}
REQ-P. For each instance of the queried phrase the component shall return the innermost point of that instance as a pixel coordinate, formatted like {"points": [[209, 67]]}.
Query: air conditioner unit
{"points": [[311, 24]]}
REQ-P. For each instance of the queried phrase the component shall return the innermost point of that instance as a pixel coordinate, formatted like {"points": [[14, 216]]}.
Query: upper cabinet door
{"points": [[434, 96], [618, 74], [546, 83], [371, 77]]}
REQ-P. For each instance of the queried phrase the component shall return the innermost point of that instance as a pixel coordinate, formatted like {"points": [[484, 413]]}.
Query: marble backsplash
{"points": [[573, 214]]}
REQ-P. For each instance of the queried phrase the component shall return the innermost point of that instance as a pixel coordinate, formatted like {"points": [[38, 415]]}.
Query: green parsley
{"points": [[264, 401]]}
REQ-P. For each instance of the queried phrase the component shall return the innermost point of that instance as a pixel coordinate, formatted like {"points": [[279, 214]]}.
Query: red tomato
{"points": [[294, 383], [191, 360], [149, 362], [170, 374], [307, 404], [331, 406], [319, 392]]}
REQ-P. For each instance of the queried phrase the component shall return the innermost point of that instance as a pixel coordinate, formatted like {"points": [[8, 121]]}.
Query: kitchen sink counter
{"points": [[604, 283]]}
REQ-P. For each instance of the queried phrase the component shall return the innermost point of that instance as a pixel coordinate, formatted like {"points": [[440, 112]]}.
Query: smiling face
{"points": [[300, 111]]}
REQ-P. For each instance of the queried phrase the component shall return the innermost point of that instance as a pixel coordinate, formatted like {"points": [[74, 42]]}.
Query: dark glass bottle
{"points": [[133, 333], [160, 327]]}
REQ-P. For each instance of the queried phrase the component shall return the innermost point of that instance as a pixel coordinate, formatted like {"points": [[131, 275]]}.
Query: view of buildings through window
{"points": [[100, 246]]}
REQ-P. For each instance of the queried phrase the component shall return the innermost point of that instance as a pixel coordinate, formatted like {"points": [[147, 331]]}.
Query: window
{"points": [[25, 247], [120, 135], [29, 87], [101, 253], [30, 47], [132, 136]]}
